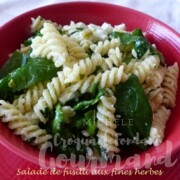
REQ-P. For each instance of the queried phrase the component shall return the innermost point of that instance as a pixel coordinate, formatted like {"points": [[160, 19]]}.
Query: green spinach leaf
{"points": [[90, 119], [138, 42], [134, 110], [88, 103], [57, 121], [85, 121], [16, 60], [34, 71]]}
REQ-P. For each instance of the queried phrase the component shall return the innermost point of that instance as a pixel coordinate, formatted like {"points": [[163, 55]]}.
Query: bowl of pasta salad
{"points": [[91, 83]]}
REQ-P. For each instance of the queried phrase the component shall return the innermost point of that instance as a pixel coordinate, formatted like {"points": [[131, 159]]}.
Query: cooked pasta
{"points": [[76, 79], [144, 68], [74, 49], [156, 77], [50, 45], [82, 69], [25, 102], [170, 85], [107, 136], [105, 80], [158, 126], [156, 98], [50, 95], [73, 27], [23, 126], [37, 23], [103, 47], [114, 59]]}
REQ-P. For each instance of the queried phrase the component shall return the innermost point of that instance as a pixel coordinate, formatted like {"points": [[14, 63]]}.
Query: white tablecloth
{"points": [[167, 11]]}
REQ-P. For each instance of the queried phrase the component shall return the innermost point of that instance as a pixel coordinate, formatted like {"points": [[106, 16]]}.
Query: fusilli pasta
{"points": [[170, 85], [74, 49], [103, 46], [37, 23], [105, 80], [158, 126], [156, 77], [114, 59], [107, 136], [25, 102], [156, 98], [50, 45], [82, 69], [23, 126], [143, 68], [50, 96]]}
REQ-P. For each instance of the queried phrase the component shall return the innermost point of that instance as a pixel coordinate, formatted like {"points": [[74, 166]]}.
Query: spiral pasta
{"points": [[78, 32], [103, 46], [73, 27], [50, 96], [170, 85], [74, 49], [107, 136], [156, 98], [82, 69], [85, 43], [37, 24], [145, 67], [25, 102], [156, 77], [50, 45], [23, 126], [158, 126], [105, 80], [128, 68], [114, 59]]}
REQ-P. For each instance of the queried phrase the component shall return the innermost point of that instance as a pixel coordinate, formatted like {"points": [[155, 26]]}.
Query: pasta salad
{"points": [[96, 84]]}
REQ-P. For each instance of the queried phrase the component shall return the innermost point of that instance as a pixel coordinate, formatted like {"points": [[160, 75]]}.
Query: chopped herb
{"points": [[45, 112]]}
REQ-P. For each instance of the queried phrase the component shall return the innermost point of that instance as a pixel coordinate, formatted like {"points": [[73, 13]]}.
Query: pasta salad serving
{"points": [[88, 89]]}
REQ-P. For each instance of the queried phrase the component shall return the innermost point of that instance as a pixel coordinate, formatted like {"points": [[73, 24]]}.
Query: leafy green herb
{"points": [[88, 103], [34, 71], [69, 139], [58, 120], [133, 104], [94, 89], [16, 60], [45, 112], [138, 42], [90, 118], [127, 60], [28, 42], [78, 122], [86, 121]]}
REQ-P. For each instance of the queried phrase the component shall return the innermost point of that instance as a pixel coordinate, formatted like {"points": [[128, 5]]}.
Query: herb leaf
{"points": [[138, 42], [16, 60], [34, 71], [133, 104], [88, 103]]}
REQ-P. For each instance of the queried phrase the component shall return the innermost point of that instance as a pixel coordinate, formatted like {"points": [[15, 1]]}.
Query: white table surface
{"points": [[167, 11]]}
